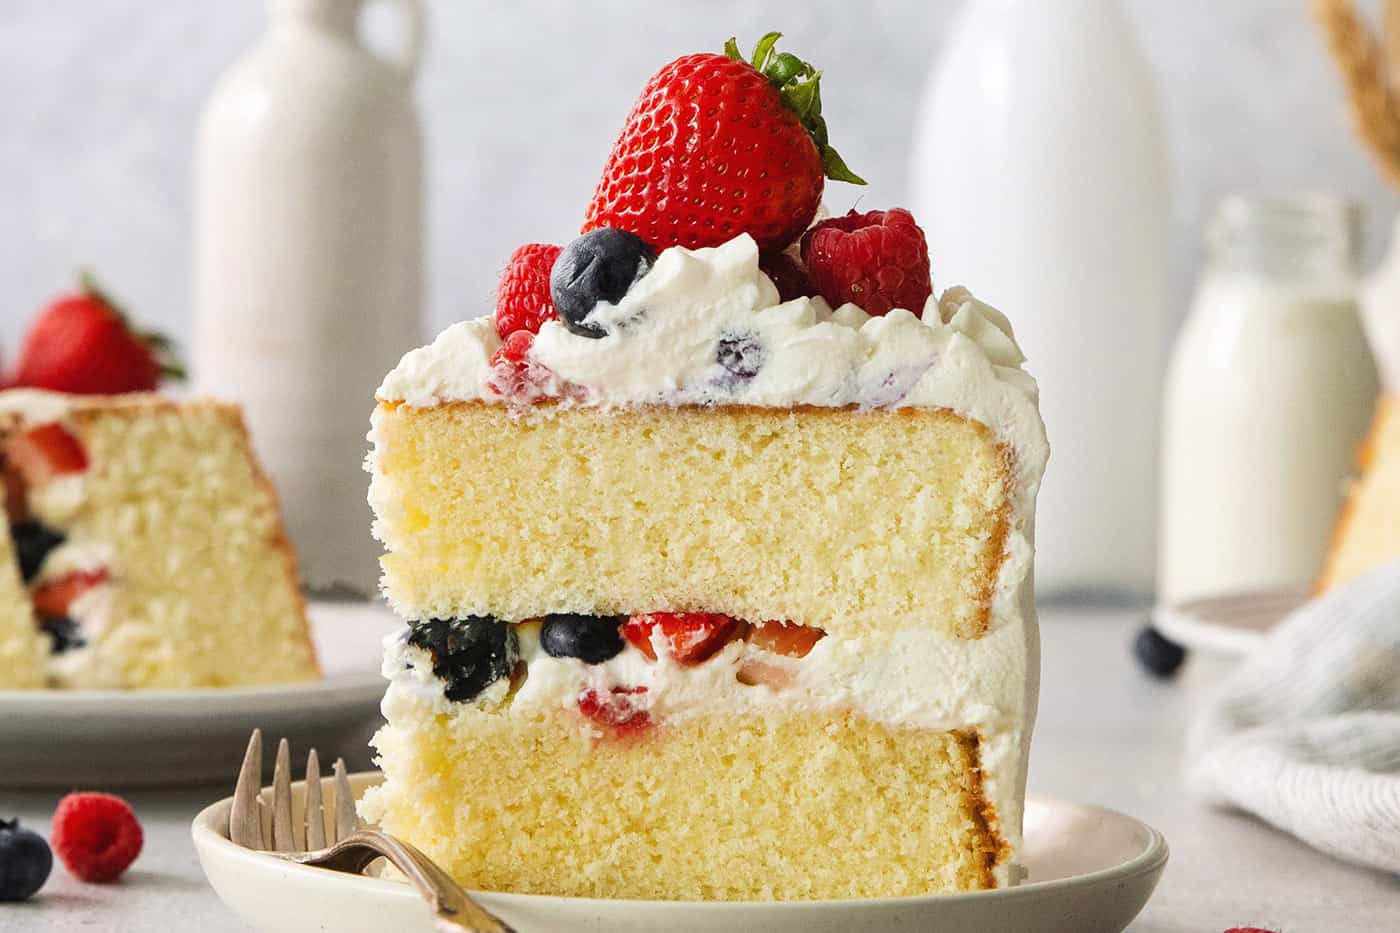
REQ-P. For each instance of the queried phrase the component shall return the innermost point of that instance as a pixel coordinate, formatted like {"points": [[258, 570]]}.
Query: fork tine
{"points": [[315, 810], [346, 822], [283, 839], [245, 819]]}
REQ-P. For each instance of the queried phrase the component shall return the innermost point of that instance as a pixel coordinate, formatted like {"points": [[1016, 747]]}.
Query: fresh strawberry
{"points": [[788, 275], [785, 638], [620, 708], [52, 600], [716, 146], [83, 343], [96, 836], [754, 673], [878, 261], [691, 637], [45, 453], [522, 297]]}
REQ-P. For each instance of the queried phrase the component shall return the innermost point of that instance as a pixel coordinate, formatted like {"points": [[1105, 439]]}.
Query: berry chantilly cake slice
{"points": [[149, 545], [715, 541]]}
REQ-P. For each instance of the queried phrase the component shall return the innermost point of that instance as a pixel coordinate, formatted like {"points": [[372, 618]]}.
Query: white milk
{"points": [[1040, 176], [1270, 389]]}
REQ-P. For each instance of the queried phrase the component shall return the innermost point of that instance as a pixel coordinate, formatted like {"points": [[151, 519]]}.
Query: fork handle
{"points": [[444, 895]]}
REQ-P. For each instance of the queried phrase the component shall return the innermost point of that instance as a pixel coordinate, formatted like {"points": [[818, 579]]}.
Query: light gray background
{"points": [[520, 102]]}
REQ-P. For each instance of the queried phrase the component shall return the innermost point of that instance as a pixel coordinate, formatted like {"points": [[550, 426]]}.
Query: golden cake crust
{"points": [[1342, 561]]}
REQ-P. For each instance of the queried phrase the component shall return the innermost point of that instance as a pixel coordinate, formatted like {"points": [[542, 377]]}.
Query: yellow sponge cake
{"points": [[704, 639], [151, 546]]}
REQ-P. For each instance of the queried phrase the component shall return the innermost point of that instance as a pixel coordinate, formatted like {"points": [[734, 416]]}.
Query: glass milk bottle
{"points": [[1270, 389]]}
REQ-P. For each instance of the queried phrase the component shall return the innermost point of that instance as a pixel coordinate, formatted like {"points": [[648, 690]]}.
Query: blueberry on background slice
{"points": [[468, 654], [25, 861], [591, 639], [33, 541], [63, 633], [1159, 655], [598, 266]]}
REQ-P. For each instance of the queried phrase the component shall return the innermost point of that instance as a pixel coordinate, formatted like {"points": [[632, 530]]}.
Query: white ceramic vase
{"points": [[1040, 176], [308, 260]]}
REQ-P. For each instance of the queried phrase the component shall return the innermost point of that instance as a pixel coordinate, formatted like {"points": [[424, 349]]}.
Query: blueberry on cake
{"points": [[714, 541], [147, 546]]}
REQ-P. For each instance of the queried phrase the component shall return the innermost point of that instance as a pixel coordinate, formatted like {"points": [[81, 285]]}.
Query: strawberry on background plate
{"points": [[716, 146], [83, 343]]}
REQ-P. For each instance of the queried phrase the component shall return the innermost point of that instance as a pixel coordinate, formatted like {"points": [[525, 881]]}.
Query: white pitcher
{"points": [[1040, 175], [308, 260]]}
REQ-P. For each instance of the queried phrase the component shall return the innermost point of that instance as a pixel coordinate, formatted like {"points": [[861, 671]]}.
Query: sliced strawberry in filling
{"points": [[53, 599], [619, 708], [785, 638], [45, 453], [691, 637]]}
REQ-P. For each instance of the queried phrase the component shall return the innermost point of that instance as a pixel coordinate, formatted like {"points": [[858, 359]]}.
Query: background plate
{"points": [[106, 738], [1230, 624], [1091, 869]]}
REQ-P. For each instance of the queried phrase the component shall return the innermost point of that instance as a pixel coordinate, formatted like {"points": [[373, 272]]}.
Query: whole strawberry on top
{"points": [[717, 146], [83, 343]]}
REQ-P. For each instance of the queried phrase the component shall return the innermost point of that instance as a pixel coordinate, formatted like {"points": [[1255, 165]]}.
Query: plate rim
{"points": [[1152, 859], [196, 699], [1183, 622]]}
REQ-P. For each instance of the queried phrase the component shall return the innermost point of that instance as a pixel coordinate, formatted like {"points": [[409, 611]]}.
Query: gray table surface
{"points": [[1107, 735]]}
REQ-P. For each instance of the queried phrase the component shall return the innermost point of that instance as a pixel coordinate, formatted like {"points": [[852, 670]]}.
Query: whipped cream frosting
{"points": [[706, 327]]}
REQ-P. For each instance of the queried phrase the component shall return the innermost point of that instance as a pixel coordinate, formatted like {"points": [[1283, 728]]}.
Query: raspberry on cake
{"points": [[149, 546], [735, 602]]}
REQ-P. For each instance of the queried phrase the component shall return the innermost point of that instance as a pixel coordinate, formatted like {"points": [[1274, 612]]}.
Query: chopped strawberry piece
{"points": [[619, 708], [755, 673], [51, 600], [786, 638], [691, 637], [45, 453]]}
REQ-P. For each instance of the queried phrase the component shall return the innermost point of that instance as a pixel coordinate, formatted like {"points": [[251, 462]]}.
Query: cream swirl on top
{"points": [[706, 327]]}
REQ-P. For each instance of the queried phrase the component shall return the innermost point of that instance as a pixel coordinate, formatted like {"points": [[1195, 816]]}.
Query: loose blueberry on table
{"points": [[1159, 655], [25, 861]]}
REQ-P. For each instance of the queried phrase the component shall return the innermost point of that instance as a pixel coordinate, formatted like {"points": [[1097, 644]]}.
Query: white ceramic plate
{"points": [[1091, 870], [1231, 623], [111, 738]]}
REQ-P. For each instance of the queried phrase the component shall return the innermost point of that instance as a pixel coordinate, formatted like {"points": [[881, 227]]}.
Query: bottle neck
{"points": [[337, 16], [1290, 240]]}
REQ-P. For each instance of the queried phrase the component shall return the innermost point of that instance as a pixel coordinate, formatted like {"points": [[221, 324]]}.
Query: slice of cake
{"points": [[715, 540], [1368, 530], [150, 544], [22, 649]]}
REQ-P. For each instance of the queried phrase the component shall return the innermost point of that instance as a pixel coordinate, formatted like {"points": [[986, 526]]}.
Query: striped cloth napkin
{"points": [[1306, 733]]}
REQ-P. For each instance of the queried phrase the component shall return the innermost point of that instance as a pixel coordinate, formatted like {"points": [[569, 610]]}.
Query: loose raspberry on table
{"points": [[878, 261], [522, 297], [95, 836]]}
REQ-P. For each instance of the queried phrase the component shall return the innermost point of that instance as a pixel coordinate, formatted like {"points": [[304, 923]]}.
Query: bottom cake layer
{"points": [[783, 806]]}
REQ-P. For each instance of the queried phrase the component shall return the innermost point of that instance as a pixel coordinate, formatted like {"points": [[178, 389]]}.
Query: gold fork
{"points": [[350, 848]]}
